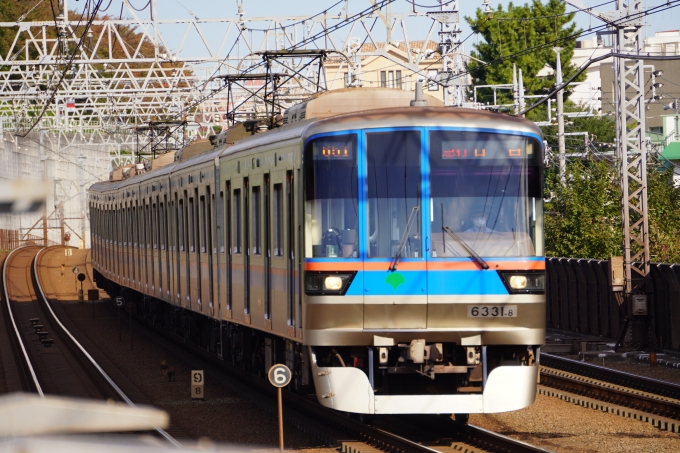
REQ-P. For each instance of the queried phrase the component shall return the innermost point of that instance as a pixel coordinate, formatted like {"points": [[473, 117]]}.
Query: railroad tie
{"points": [[662, 423]]}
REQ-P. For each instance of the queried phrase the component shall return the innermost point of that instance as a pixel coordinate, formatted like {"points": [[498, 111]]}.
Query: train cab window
{"points": [[486, 193], [393, 208], [278, 219], [192, 230], [203, 224], [256, 224], [331, 197], [236, 206]]}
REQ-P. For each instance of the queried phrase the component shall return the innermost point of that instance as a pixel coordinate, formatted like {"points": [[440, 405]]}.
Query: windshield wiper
{"points": [[404, 238], [471, 252]]}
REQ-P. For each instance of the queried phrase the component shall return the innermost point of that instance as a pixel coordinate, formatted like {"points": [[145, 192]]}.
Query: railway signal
{"points": [[280, 376]]}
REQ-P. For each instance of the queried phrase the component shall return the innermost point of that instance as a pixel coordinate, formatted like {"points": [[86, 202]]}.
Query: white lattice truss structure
{"points": [[113, 86], [631, 148]]}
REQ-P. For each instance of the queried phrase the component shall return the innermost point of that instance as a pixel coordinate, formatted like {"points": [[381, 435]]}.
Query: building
{"points": [[396, 65]]}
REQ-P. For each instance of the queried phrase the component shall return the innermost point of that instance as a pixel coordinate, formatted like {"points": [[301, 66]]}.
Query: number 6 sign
{"points": [[279, 375]]}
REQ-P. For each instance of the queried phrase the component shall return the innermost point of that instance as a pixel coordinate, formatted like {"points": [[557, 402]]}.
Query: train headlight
{"points": [[527, 282], [332, 283], [322, 283], [518, 281]]}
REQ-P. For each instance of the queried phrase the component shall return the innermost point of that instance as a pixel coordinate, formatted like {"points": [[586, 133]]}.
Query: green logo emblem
{"points": [[394, 279]]}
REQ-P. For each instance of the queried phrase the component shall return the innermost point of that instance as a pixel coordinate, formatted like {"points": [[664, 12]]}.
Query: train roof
{"points": [[423, 117], [349, 109]]}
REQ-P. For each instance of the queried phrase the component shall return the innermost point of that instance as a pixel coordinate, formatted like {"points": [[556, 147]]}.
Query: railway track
{"points": [[659, 399], [395, 434], [51, 360]]}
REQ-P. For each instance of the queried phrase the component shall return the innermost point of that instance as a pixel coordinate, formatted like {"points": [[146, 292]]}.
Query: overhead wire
{"points": [[347, 21], [68, 64]]}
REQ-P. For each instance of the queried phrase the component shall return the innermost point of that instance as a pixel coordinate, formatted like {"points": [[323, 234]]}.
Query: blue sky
{"points": [[204, 9]]}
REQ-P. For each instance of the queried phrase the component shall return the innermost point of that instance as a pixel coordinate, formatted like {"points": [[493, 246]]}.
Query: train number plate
{"points": [[492, 311]]}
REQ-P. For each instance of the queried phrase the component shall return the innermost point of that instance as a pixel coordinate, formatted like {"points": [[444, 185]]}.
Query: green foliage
{"points": [[10, 11], [538, 27], [664, 216], [583, 216]]}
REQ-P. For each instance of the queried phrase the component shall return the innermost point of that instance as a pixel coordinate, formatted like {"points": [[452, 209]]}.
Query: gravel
{"points": [[225, 416]]}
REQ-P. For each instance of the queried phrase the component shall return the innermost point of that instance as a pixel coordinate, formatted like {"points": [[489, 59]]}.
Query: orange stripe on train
{"points": [[422, 266]]}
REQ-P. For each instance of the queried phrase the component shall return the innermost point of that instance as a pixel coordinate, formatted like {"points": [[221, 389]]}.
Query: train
{"points": [[388, 250]]}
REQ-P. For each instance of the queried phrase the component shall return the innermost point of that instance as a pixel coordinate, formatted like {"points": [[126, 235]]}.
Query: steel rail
{"points": [[378, 438], [27, 360], [661, 388], [613, 395], [106, 377]]}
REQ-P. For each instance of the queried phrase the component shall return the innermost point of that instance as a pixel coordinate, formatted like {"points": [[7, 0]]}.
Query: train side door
{"points": [[256, 251], [238, 261], [267, 249]]}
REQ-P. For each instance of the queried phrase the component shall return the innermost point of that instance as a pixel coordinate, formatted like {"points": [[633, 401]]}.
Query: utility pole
{"points": [[449, 48], [43, 159], [625, 26], [631, 155], [83, 204], [560, 117]]}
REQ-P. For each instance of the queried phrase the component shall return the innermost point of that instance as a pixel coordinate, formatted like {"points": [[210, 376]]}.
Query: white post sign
{"points": [[197, 384], [279, 375]]}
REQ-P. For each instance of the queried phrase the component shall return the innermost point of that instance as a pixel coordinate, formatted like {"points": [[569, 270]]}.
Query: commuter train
{"points": [[390, 253]]}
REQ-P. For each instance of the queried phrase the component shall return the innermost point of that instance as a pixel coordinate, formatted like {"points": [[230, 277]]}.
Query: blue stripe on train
{"points": [[463, 282]]}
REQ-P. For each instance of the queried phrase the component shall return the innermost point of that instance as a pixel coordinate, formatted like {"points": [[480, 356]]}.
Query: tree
{"points": [[583, 216], [663, 201], [523, 35], [10, 11]]}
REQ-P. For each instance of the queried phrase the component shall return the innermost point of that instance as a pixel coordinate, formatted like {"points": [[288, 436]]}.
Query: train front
{"points": [[424, 276]]}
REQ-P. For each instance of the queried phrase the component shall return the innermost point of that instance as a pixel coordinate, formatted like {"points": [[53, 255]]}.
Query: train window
{"points": [[220, 237], [154, 225], [180, 223], [278, 219], [331, 197], [162, 233], [203, 224], [393, 179], [256, 221], [134, 226], [236, 205], [487, 189], [192, 230]]}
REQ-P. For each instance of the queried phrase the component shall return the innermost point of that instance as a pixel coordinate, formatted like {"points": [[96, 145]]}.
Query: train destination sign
{"points": [[467, 150], [336, 150]]}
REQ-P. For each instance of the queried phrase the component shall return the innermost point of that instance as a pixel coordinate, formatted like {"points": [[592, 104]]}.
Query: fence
{"points": [[11, 239], [579, 299]]}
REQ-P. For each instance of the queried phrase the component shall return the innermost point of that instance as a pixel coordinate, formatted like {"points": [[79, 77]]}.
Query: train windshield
{"points": [[393, 180], [486, 194], [331, 197]]}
